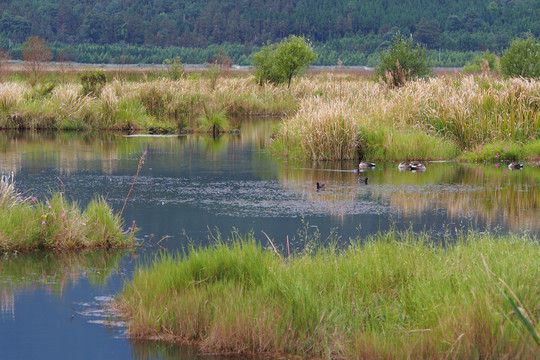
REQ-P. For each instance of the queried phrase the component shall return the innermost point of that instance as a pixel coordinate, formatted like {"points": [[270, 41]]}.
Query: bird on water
{"points": [[515, 166], [366, 165]]}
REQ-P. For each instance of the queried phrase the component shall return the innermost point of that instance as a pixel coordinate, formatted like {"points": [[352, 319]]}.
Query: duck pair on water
{"points": [[412, 166]]}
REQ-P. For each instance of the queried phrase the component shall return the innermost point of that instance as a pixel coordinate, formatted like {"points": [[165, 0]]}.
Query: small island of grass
{"points": [[27, 223], [395, 295]]}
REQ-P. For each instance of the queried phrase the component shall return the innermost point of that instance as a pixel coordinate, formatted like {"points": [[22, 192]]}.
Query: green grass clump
{"points": [[213, 120], [394, 295], [502, 151], [387, 143], [27, 223]]}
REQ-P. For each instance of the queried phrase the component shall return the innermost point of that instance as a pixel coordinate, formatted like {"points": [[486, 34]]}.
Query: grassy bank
{"points": [[161, 105], [28, 223], [391, 296], [429, 120], [327, 116]]}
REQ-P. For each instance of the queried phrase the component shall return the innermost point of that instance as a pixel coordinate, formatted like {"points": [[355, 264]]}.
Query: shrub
{"points": [[522, 58], [484, 63], [175, 68], [403, 62], [93, 82], [278, 63]]}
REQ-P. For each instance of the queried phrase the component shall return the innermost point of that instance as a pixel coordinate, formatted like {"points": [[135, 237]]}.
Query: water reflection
{"points": [[52, 271], [194, 182], [495, 196], [144, 350]]}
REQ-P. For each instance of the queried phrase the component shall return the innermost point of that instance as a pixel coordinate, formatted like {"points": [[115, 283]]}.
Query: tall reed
{"points": [[465, 110]]}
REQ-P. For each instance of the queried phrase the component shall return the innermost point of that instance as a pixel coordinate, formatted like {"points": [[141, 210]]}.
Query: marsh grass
{"points": [[502, 151], [323, 113], [27, 223], [394, 295], [466, 111], [385, 142]]}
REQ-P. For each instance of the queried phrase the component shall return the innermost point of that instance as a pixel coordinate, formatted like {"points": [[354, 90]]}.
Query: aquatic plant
{"points": [[213, 120], [391, 295], [323, 112], [28, 223]]}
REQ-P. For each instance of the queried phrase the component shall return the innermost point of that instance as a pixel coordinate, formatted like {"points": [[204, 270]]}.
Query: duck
{"points": [[366, 165], [404, 166], [417, 166], [363, 180], [320, 186], [515, 166]]}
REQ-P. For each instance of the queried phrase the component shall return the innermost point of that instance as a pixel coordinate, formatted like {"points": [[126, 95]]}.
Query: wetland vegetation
{"points": [[328, 116], [29, 223], [392, 295]]}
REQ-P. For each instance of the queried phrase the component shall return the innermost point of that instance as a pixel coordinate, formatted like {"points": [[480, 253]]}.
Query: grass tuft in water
{"points": [[394, 295], [27, 223]]}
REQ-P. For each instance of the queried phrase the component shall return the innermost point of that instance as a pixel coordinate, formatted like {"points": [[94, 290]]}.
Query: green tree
{"points": [[278, 63], [402, 62], [522, 58], [428, 32]]}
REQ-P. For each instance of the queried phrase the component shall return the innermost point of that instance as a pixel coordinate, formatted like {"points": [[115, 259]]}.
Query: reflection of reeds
{"points": [[480, 193], [54, 271], [477, 193]]}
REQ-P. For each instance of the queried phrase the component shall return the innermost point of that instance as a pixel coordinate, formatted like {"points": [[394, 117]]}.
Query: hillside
{"points": [[334, 25]]}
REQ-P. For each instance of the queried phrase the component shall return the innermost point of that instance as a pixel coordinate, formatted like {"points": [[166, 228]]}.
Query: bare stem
{"points": [[141, 162]]}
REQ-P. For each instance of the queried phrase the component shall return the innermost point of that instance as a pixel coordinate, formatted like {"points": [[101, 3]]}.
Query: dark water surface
{"points": [[51, 304]]}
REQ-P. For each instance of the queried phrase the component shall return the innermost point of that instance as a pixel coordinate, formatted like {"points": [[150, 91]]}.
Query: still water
{"points": [[51, 304]]}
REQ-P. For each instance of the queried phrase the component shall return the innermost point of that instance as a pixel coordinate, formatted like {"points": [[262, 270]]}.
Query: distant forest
{"points": [[133, 31]]}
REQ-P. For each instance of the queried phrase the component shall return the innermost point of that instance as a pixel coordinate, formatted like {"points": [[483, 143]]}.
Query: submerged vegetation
{"points": [[392, 295], [27, 223]]}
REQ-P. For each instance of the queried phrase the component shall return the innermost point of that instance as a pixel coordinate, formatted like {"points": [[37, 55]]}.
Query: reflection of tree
{"points": [[52, 271]]}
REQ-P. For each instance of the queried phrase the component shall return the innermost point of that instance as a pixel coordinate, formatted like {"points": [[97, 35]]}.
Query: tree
{"points": [[278, 63], [35, 52], [522, 58], [402, 62], [428, 32]]}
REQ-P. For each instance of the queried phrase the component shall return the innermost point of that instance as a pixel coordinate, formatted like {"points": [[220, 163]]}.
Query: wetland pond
{"points": [[51, 304]]}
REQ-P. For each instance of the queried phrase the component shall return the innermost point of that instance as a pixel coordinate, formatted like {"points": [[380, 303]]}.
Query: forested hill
{"points": [[341, 25]]}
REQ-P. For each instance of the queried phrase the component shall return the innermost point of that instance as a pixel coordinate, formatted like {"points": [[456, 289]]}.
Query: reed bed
{"points": [[462, 112], [27, 223], [327, 116], [394, 295]]}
